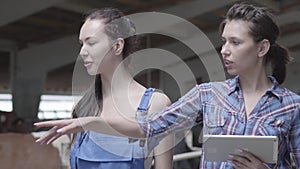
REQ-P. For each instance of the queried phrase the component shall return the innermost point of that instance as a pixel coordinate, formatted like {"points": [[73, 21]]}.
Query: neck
{"points": [[256, 82], [116, 81]]}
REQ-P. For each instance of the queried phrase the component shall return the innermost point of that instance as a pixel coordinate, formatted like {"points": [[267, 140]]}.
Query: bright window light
{"points": [[5, 102], [56, 106], [51, 106]]}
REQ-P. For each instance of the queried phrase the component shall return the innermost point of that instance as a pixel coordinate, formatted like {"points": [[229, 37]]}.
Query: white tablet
{"points": [[218, 147]]}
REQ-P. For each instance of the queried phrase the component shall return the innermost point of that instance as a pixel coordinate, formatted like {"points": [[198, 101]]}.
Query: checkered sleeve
{"points": [[294, 137], [181, 115]]}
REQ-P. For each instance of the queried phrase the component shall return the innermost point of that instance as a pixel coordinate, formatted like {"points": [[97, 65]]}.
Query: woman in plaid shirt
{"points": [[251, 103]]}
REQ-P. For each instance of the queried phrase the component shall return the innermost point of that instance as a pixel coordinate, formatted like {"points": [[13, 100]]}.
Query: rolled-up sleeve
{"points": [[182, 114]]}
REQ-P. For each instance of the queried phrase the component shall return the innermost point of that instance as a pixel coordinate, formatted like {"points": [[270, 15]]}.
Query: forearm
{"points": [[164, 160], [163, 153], [183, 114], [119, 126]]}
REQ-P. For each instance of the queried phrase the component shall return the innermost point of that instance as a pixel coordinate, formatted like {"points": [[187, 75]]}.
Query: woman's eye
{"points": [[91, 43], [235, 42]]}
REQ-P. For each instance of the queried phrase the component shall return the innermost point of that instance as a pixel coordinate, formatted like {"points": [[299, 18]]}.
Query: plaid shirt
{"points": [[220, 105]]}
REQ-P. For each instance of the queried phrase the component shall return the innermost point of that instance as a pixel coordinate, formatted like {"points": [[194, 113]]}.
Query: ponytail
{"points": [[279, 57]]}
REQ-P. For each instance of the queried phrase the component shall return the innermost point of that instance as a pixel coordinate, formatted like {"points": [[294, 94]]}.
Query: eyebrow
{"points": [[230, 38], [85, 39]]}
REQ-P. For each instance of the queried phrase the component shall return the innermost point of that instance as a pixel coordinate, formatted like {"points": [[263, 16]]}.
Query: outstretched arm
{"points": [[126, 127], [181, 115]]}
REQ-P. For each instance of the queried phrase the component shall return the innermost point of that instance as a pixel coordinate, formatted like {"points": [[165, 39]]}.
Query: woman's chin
{"points": [[92, 72], [231, 72]]}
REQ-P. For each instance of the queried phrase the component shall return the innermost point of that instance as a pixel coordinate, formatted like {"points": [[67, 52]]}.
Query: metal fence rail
{"points": [[188, 155]]}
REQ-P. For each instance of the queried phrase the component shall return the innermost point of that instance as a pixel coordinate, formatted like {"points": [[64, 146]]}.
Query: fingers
{"points": [[50, 134], [60, 128], [238, 165], [249, 155], [239, 161], [246, 160], [53, 138], [56, 125], [50, 123], [71, 128], [45, 124]]}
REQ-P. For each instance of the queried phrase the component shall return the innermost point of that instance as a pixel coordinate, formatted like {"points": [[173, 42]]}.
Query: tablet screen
{"points": [[218, 147]]}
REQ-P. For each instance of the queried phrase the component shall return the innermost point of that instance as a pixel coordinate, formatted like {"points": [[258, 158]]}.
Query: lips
{"points": [[87, 63], [228, 64]]}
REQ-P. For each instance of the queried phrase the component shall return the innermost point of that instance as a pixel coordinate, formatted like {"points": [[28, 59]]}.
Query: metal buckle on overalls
{"points": [[132, 140]]}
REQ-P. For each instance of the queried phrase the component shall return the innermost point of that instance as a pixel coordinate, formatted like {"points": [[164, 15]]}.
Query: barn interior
{"points": [[39, 56]]}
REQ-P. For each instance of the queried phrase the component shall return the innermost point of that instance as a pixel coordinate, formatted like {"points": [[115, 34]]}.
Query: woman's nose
{"points": [[225, 50], [83, 53]]}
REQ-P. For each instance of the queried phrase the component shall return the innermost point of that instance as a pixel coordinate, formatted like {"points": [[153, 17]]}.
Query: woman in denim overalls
{"points": [[96, 150], [107, 38]]}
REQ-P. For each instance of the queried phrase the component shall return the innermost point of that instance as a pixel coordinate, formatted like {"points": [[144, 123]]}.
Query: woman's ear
{"points": [[263, 47], [118, 46]]}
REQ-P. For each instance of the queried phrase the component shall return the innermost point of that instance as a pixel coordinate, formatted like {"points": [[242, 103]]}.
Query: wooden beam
{"points": [[8, 9], [269, 3]]}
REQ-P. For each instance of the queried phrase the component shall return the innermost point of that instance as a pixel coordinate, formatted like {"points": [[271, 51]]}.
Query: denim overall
{"points": [[93, 150]]}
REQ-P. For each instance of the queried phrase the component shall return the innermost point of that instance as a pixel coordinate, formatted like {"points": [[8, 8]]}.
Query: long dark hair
{"points": [[116, 26], [262, 27]]}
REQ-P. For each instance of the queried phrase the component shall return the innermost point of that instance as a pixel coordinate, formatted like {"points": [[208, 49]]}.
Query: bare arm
{"points": [[107, 125], [180, 115], [163, 152]]}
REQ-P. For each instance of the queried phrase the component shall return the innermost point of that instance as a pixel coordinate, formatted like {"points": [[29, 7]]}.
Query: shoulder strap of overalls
{"points": [[145, 102], [143, 109]]}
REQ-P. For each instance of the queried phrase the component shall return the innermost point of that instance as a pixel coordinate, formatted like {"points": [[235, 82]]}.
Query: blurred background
{"points": [[39, 47]]}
